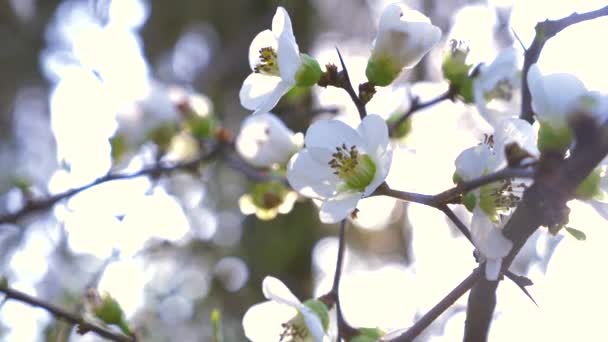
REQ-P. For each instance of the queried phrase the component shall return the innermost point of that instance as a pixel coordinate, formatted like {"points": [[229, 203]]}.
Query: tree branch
{"points": [[37, 205], [546, 30], [543, 204], [64, 315], [347, 85], [439, 308]]}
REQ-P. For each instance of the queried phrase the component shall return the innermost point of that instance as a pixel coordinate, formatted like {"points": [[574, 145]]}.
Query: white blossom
{"points": [[340, 165], [554, 96], [264, 141], [277, 65], [404, 37], [282, 318], [493, 202]]}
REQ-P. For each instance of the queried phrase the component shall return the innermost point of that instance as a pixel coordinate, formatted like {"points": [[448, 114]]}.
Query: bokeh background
{"points": [[77, 74]]}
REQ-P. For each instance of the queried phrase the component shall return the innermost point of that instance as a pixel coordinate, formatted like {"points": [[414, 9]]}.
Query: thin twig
{"points": [[347, 85], [461, 226], [464, 187], [36, 205], [546, 30], [417, 105], [64, 315], [439, 308]]}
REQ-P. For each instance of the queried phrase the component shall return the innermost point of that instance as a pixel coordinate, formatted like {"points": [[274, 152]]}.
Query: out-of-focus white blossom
{"points": [[496, 87], [404, 37], [264, 141]]}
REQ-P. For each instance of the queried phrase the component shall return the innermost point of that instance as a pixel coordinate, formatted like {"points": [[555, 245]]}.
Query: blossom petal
{"points": [[472, 162], [383, 166], [263, 39], [262, 321], [332, 133], [256, 88], [375, 132], [553, 96], [313, 322], [288, 55], [515, 130], [264, 140], [275, 290], [487, 236], [336, 209], [493, 269], [309, 177], [273, 98], [281, 23]]}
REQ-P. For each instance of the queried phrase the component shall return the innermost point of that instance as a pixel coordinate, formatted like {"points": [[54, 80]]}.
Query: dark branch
{"points": [[347, 85], [438, 309], [161, 168], [543, 204], [544, 31], [64, 315]]}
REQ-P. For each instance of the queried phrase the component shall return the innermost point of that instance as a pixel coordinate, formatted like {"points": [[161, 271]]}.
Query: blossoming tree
{"points": [[539, 142]]}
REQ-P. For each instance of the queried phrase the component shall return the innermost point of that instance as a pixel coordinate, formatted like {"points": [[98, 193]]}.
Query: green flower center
{"points": [[499, 198], [268, 195], [294, 330], [268, 64], [355, 169]]}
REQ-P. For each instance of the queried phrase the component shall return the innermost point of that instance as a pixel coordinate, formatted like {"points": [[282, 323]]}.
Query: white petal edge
{"points": [[262, 321], [263, 39], [332, 133], [271, 99], [313, 322], [374, 131], [471, 162], [493, 268], [336, 209], [309, 177], [288, 54], [281, 23], [275, 290], [488, 237], [383, 166], [255, 90]]}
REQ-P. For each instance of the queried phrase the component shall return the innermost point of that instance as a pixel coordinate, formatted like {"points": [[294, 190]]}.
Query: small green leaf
{"points": [[577, 234], [368, 335]]}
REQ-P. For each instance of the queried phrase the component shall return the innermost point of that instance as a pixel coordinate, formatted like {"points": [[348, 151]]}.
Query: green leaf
{"points": [[577, 234], [368, 335]]}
